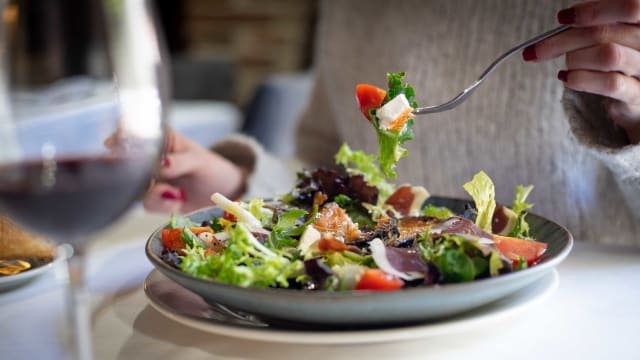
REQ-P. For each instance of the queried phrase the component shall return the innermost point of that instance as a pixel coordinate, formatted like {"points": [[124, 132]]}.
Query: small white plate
{"points": [[11, 282], [185, 307]]}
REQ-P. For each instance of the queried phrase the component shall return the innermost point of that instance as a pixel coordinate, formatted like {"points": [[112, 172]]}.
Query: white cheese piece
{"points": [[395, 113], [308, 238], [420, 195]]}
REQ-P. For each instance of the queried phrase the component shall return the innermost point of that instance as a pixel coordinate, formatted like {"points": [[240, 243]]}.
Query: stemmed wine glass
{"points": [[82, 91]]}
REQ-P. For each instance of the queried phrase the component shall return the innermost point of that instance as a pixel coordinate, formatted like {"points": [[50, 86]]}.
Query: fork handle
{"points": [[517, 48], [469, 90]]}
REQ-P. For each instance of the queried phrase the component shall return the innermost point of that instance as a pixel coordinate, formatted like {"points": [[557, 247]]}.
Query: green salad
{"points": [[352, 229]]}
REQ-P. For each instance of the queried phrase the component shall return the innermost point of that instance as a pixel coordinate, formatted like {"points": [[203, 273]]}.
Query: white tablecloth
{"points": [[594, 314]]}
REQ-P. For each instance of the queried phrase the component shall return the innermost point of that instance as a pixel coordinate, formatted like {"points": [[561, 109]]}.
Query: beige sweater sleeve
{"points": [[593, 129], [268, 176]]}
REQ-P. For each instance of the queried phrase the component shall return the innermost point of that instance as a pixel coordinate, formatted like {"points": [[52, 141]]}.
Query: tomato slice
{"points": [[378, 280], [513, 248], [172, 238], [369, 97], [229, 216]]}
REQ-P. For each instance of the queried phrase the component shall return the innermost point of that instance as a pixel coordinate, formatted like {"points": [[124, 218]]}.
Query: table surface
{"points": [[594, 314]]}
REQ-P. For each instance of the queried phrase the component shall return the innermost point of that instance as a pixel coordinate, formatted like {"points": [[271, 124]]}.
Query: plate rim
{"points": [[430, 328]]}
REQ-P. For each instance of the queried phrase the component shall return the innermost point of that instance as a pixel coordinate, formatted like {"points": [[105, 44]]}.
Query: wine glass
{"points": [[82, 92]]}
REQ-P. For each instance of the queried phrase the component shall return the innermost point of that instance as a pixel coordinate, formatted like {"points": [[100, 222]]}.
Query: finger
{"points": [[601, 12], [176, 142], [580, 38], [607, 57], [178, 164], [610, 84], [163, 198]]}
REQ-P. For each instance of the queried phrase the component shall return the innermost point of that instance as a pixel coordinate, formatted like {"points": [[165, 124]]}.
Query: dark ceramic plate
{"points": [[362, 308]]}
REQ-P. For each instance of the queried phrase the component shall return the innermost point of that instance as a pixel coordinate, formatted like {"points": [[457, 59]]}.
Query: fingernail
{"points": [[165, 162], [170, 195], [563, 75], [529, 53], [567, 16]]}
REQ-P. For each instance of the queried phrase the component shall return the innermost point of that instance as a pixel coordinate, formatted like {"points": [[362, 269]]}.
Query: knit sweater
{"points": [[516, 126]]}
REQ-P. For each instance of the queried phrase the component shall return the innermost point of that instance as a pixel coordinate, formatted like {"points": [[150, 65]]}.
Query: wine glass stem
{"points": [[78, 310]]}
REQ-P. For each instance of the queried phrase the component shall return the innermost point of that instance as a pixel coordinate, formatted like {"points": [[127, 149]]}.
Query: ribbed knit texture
{"points": [[513, 127]]}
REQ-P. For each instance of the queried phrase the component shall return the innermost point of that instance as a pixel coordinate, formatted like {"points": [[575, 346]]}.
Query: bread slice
{"points": [[18, 243]]}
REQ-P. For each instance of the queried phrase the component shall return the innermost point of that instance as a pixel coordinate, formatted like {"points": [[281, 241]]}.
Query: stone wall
{"points": [[257, 37]]}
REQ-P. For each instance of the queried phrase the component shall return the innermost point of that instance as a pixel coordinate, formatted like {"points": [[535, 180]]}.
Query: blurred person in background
{"points": [[570, 128]]}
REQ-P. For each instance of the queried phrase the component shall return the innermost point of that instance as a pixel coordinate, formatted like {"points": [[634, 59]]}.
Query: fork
{"points": [[471, 88]]}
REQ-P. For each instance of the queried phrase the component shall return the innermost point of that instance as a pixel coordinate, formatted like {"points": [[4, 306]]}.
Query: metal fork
{"points": [[469, 90]]}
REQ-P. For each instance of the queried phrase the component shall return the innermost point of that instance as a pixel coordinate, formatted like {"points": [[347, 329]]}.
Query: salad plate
{"points": [[10, 282], [364, 309], [187, 308]]}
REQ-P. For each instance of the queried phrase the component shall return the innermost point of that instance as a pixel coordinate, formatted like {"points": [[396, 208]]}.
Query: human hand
{"points": [[602, 55], [189, 174]]}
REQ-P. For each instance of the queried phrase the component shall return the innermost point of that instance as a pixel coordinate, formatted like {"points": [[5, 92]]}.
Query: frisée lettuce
{"points": [[245, 262]]}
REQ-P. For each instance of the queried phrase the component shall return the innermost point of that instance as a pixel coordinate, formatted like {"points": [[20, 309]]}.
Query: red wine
{"points": [[71, 197]]}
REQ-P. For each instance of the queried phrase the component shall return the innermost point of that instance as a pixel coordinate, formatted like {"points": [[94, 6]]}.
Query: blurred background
{"points": [[239, 66]]}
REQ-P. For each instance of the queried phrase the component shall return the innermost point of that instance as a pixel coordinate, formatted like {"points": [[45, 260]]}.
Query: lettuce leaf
{"points": [[483, 192], [245, 262], [216, 224], [439, 212], [522, 192], [190, 239], [495, 263], [359, 162], [457, 259], [285, 231], [521, 229], [455, 266], [390, 151], [257, 209], [396, 87], [179, 222]]}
